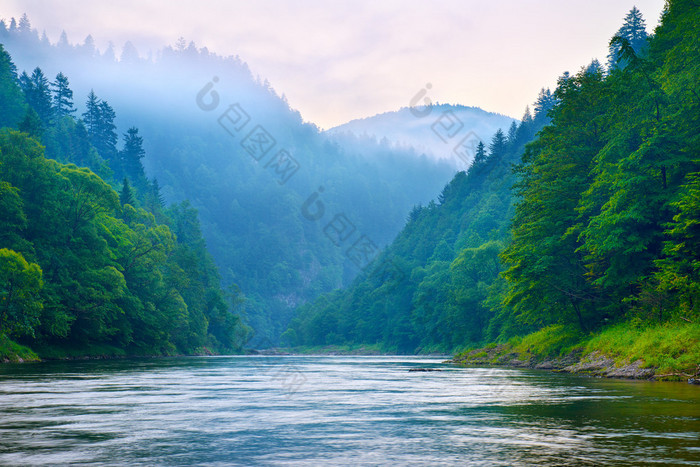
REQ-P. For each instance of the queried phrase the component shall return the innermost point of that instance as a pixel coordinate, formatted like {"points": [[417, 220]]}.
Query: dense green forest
{"points": [[596, 224], [250, 214], [85, 269]]}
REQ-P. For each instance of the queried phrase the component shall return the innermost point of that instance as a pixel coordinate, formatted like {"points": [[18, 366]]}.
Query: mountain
{"points": [[287, 211], [426, 291], [584, 241], [434, 130]]}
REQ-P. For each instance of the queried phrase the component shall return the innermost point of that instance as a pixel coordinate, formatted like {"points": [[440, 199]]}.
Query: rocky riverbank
{"points": [[575, 362]]}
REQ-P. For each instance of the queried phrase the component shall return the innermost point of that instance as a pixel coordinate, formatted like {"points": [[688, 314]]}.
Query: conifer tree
{"points": [[62, 96], [38, 94], [126, 195], [633, 32], [132, 154]]}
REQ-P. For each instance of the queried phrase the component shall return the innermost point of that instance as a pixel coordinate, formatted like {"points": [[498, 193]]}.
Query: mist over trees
{"points": [[594, 223], [250, 210], [82, 268]]}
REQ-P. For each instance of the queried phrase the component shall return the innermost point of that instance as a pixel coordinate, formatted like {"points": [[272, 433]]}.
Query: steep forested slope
{"points": [[83, 269], [185, 102], [600, 228]]}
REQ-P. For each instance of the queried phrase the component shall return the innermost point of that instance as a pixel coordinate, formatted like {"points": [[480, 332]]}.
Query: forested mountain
{"points": [[268, 186], [84, 269], [428, 290], [435, 129], [600, 225]]}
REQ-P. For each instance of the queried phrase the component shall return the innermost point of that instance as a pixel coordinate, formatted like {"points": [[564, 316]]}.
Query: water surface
{"points": [[299, 410]]}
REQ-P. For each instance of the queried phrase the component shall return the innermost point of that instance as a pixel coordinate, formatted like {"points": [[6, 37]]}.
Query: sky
{"points": [[340, 60]]}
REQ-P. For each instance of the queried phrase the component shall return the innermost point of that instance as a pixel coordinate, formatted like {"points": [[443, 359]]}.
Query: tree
{"points": [[512, 135], [31, 124], [498, 145], [126, 195], [91, 116], [633, 32], [11, 99], [480, 155], [20, 303], [62, 96], [106, 135], [131, 155], [38, 94], [99, 121]]}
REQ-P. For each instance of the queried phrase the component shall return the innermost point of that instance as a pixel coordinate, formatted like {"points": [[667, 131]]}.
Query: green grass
{"points": [[552, 341], [15, 352], [669, 347]]}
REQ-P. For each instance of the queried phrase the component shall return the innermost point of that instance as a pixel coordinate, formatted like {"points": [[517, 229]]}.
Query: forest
{"points": [[250, 214], [91, 259], [584, 216], [580, 217]]}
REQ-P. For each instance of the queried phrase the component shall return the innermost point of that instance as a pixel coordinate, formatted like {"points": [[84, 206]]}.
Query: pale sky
{"points": [[339, 60]]}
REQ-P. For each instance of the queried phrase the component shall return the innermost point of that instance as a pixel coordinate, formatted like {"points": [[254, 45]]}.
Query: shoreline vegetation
{"points": [[664, 352], [659, 352]]}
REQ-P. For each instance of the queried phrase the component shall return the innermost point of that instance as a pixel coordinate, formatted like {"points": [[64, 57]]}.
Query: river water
{"points": [[331, 410]]}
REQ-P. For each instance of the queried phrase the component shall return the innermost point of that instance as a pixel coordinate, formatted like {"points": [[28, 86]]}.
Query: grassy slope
{"points": [[13, 352], [667, 349]]}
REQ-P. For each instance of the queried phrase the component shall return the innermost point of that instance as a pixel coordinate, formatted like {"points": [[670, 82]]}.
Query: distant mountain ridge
{"points": [[434, 130]]}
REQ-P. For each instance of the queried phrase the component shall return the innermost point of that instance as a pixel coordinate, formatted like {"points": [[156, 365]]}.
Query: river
{"points": [[336, 410]]}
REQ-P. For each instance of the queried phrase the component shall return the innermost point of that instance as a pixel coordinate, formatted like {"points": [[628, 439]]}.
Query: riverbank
{"points": [[12, 352], [651, 352]]}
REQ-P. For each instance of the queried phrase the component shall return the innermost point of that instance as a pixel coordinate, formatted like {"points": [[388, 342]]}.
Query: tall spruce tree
{"points": [[62, 96], [633, 32], [132, 154], [38, 94]]}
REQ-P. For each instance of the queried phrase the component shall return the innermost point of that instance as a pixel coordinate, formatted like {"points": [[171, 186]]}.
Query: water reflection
{"points": [[336, 410]]}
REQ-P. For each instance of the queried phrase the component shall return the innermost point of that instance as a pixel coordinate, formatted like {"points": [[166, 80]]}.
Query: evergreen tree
{"points": [[106, 135], [498, 145], [480, 155], [62, 96], [91, 116], [126, 195], [512, 135], [38, 94], [632, 32], [132, 154], [31, 124], [11, 99]]}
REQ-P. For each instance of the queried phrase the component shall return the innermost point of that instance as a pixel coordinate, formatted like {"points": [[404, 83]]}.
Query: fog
{"points": [[269, 211]]}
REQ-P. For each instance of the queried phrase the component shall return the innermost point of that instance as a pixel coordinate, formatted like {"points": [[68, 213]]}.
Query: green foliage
{"points": [[551, 341], [603, 218], [430, 290], [115, 279], [670, 347], [20, 305], [13, 352], [11, 98]]}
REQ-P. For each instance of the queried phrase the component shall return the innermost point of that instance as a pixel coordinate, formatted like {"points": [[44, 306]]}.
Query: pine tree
{"points": [[633, 32], [91, 116], [480, 156], [512, 134], [132, 154], [498, 145], [106, 135], [11, 100], [31, 124], [62, 96], [38, 94], [126, 195]]}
